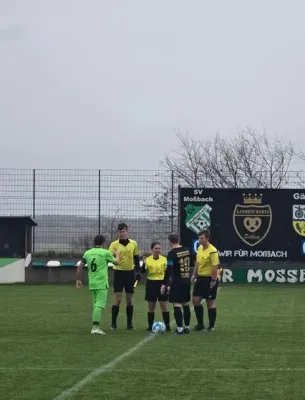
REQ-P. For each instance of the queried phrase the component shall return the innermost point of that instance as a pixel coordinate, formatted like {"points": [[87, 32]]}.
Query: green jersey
{"points": [[97, 260]]}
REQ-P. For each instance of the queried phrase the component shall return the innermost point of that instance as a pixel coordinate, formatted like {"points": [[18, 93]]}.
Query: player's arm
{"points": [[136, 259], [195, 272], [111, 259], [80, 272], [144, 266], [168, 272], [167, 276], [215, 265]]}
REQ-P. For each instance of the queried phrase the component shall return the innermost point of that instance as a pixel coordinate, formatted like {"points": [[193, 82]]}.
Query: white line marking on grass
{"points": [[106, 367], [102, 369], [44, 369], [213, 369], [132, 370]]}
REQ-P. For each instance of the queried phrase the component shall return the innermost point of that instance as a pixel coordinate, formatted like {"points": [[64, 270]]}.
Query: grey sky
{"points": [[87, 81]]}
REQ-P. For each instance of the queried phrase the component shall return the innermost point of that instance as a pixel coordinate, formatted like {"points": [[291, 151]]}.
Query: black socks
{"points": [[212, 317]]}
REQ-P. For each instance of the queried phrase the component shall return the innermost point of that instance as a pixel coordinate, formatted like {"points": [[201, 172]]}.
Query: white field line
{"points": [[156, 371], [66, 394]]}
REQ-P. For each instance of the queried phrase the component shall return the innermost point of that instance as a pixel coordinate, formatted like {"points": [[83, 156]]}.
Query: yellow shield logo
{"points": [[298, 219], [252, 222]]}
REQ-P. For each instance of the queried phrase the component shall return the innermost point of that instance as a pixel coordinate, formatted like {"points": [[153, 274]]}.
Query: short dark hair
{"points": [[174, 238], [99, 240], [154, 244], [206, 233], [122, 226]]}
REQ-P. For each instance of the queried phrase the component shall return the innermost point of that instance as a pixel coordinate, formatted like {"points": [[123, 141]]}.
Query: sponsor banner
{"points": [[265, 275], [261, 224]]}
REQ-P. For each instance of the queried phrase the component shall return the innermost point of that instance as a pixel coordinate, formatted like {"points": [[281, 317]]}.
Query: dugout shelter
{"points": [[15, 245], [16, 236]]}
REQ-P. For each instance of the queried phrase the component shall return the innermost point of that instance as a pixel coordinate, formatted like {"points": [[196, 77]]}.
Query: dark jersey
{"points": [[178, 266]]}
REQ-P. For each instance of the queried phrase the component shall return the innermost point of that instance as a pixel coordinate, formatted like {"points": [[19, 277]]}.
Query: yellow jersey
{"points": [[126, 254], [155, 268], [206, 260]]}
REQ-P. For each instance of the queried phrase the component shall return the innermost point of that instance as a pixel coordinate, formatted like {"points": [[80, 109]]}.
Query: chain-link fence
{"points": [[72, 206]]}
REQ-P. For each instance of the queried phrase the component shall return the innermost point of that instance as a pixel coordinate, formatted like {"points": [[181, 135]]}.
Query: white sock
{"points": [[180, 329]]}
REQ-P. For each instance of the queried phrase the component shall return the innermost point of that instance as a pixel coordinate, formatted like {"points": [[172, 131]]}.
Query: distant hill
{"points": [[62, 232]]}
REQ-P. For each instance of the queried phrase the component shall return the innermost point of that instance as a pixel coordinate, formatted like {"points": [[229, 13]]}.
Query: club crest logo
{"points": [[252, 220], [197, 217], [298, 219]]}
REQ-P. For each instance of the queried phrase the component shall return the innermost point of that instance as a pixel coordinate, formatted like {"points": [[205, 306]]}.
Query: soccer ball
{"points": [[158, 327]]}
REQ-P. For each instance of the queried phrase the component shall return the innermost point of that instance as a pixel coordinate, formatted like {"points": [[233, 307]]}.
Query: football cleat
{"points": [[199, 328], [131, 328], [97, 331]]}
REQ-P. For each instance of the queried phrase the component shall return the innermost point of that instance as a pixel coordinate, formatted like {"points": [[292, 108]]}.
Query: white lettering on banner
{"points": [[225, 253], [269, 275], [227, 275], [241, 253], [268, 253], [252, 274], [280, 275], [198, 192], [292, 276], [299, 196], [197, 199]]}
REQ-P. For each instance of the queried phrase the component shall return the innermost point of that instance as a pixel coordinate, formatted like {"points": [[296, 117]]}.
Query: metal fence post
{"points": [[34, 208], [99, 201], [178, 216], [172, 202]]}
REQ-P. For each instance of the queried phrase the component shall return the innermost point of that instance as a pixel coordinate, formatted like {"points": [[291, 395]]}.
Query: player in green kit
{"points": [[97, 260]]}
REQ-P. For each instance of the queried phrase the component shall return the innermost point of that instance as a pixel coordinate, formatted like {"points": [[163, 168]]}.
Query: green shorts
{"points": [[99, 297]]}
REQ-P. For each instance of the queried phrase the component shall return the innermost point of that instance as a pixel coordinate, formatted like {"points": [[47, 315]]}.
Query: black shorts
{"points": [[180, 293], [202, 288], [123, 280], [153, 291]]}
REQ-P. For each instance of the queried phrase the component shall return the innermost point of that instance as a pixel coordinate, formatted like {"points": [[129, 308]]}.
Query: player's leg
{"points": [[174, 298], [185, 298], [129, 290], [151, 315], [118, 289], [163, 301], [151, 298], [211, 304], [198, 308], [99, 304], [178, 318], [165, 313]]}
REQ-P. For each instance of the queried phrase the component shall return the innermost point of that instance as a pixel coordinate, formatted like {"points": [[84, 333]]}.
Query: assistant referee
{"points": [[207, 271], [124, 273]]}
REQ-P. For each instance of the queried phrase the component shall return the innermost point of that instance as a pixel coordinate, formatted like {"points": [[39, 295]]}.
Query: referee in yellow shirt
{"points": [[124, 273], [155, 266], [207, 271]]}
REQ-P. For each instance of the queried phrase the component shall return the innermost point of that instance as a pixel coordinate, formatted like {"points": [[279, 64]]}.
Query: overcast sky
{"points": [[83, 83]]}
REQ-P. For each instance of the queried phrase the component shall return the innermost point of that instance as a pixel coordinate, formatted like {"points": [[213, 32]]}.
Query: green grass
{"points": [[256, 352]]}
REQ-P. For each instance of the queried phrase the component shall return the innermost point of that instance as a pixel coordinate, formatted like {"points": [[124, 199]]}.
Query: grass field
{"points": [[256, 352]]}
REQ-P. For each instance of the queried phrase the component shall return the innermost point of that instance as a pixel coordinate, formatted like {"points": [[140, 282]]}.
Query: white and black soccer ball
{"points": [[158, 327]]}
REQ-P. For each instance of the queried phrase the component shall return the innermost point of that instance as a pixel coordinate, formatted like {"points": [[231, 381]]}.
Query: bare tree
{"points": [[82, 243], [109, 225], [108, 228], [225, 163]]}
